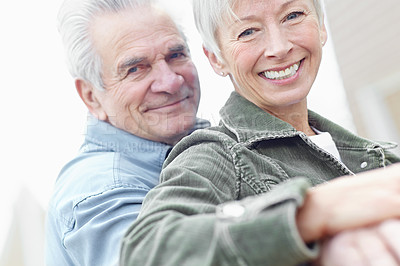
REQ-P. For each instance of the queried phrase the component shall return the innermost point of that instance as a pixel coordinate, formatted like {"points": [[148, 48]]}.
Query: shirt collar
{"points": [[110, 138]]}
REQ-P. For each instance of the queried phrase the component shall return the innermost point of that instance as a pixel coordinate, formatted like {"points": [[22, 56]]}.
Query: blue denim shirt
{"points": [[99, 194], [229, 194]]}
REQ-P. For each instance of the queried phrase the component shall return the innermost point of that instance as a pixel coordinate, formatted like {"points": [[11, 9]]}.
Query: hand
{"points": [[373, 246], [350, 202]]}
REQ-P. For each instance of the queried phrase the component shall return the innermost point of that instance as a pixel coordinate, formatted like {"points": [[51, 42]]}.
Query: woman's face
{"points": [[273, 52]]}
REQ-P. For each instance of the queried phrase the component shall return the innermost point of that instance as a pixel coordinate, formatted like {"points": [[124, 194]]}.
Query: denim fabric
{"points": [[99, 194], [229, 194]]}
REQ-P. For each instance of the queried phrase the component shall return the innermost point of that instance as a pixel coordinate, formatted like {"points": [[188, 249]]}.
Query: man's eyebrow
{"points": [[129, 63], [178, 48], [137, 60]]}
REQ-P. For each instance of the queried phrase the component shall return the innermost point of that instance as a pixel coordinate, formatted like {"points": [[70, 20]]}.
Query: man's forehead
{"points": [[125, 34], [141, 22], [154, 45], [149, 53]]}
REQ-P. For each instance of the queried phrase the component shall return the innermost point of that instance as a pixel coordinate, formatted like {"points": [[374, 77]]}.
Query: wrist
{"points": [[309, 218]]}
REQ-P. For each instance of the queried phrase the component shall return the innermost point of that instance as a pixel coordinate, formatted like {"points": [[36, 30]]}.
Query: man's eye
{"points": [[246, 33], [132, 70], [177, 55]]}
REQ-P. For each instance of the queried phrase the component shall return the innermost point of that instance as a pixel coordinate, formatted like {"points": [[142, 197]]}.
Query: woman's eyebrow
{"points": [[250, 17], [288, 3]]}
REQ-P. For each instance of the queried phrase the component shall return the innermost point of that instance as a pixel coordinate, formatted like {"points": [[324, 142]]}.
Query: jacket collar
{"points": [[250, 124], [343, 137]]}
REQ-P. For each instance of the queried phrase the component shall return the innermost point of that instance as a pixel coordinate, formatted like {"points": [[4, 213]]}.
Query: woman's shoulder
{"points": [[216, 139], [212, 136]]}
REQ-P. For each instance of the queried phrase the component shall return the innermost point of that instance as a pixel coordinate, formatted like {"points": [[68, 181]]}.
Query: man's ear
{"points": [[90, 96], [218, 66]]}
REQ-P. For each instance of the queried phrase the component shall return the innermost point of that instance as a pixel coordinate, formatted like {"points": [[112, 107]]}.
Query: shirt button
{"points": [[233, 210], [364, 165]]}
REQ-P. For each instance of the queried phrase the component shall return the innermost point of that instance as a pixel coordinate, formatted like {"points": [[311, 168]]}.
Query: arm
{"points": [[99, 224], [350, 202], [184, 220], [182, 217]]}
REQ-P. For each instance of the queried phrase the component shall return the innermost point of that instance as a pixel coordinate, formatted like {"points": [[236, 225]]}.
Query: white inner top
{"points": [[324, 141]]}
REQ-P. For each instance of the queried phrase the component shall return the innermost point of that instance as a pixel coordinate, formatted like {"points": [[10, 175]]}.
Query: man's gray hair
{"points": [[74, 21], [209, 15]]}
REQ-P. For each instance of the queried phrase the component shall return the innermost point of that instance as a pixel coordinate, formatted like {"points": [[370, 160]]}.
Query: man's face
{"points": [[151, 84]]}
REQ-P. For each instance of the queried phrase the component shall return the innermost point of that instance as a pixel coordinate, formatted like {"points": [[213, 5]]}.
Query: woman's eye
{"points": [[246, 33], [294, 15]]}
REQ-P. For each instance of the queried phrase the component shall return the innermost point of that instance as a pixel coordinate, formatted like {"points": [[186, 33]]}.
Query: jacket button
{"points": [[233, 210], [364, 165]]}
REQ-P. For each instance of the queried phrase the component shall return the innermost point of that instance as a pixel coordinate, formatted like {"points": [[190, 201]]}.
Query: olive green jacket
{"points": [[229, 194]]}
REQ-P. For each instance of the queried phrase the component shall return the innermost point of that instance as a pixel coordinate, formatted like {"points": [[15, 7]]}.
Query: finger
{"points": [[369, 198], [390, 232], [341, 251], [374, 249]]}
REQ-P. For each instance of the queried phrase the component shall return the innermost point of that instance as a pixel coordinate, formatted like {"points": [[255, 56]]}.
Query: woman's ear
{"points": [[218, 66], [323, 34], [90, 96]]}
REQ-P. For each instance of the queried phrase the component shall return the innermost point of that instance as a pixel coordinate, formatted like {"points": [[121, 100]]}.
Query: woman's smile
{"points": [[283, 76], [282, 73]]}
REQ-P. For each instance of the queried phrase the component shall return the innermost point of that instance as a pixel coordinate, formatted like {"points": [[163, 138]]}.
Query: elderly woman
{"points": [[240, 193]]}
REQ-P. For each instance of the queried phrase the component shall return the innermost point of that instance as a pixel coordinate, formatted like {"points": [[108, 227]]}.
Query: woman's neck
{"points": [[296, 115]]}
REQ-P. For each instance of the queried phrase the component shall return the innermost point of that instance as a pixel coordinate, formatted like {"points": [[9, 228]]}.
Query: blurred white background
{"points": [[43, 118]]}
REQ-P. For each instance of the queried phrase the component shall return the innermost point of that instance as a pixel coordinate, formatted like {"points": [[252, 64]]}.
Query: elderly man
{"points": [[133, 71]]}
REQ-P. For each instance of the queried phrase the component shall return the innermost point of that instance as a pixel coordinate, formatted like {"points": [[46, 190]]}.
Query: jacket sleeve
{"points": [[391, 158], [194, 218], [99, 223]]}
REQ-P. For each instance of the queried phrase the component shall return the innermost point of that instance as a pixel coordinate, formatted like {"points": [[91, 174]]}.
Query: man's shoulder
{"points": [[94, 173], [87, 165]]}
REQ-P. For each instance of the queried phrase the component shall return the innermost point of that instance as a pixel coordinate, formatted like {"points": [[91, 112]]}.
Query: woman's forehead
{"points": [[238, 5], [239, 8]]}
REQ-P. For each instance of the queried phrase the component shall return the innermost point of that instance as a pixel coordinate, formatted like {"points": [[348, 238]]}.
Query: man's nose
{"points": [[166, 79]]}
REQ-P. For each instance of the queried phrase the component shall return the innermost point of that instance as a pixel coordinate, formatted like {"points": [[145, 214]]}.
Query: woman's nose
{"points": [[277, 43], [166, 79]]}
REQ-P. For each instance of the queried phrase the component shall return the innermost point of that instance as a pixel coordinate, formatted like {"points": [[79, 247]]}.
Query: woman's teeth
{"points": [[283, 74]]}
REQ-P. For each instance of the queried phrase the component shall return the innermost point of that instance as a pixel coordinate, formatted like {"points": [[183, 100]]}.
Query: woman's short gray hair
{"points": [[74, 21], [209, 15]]}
